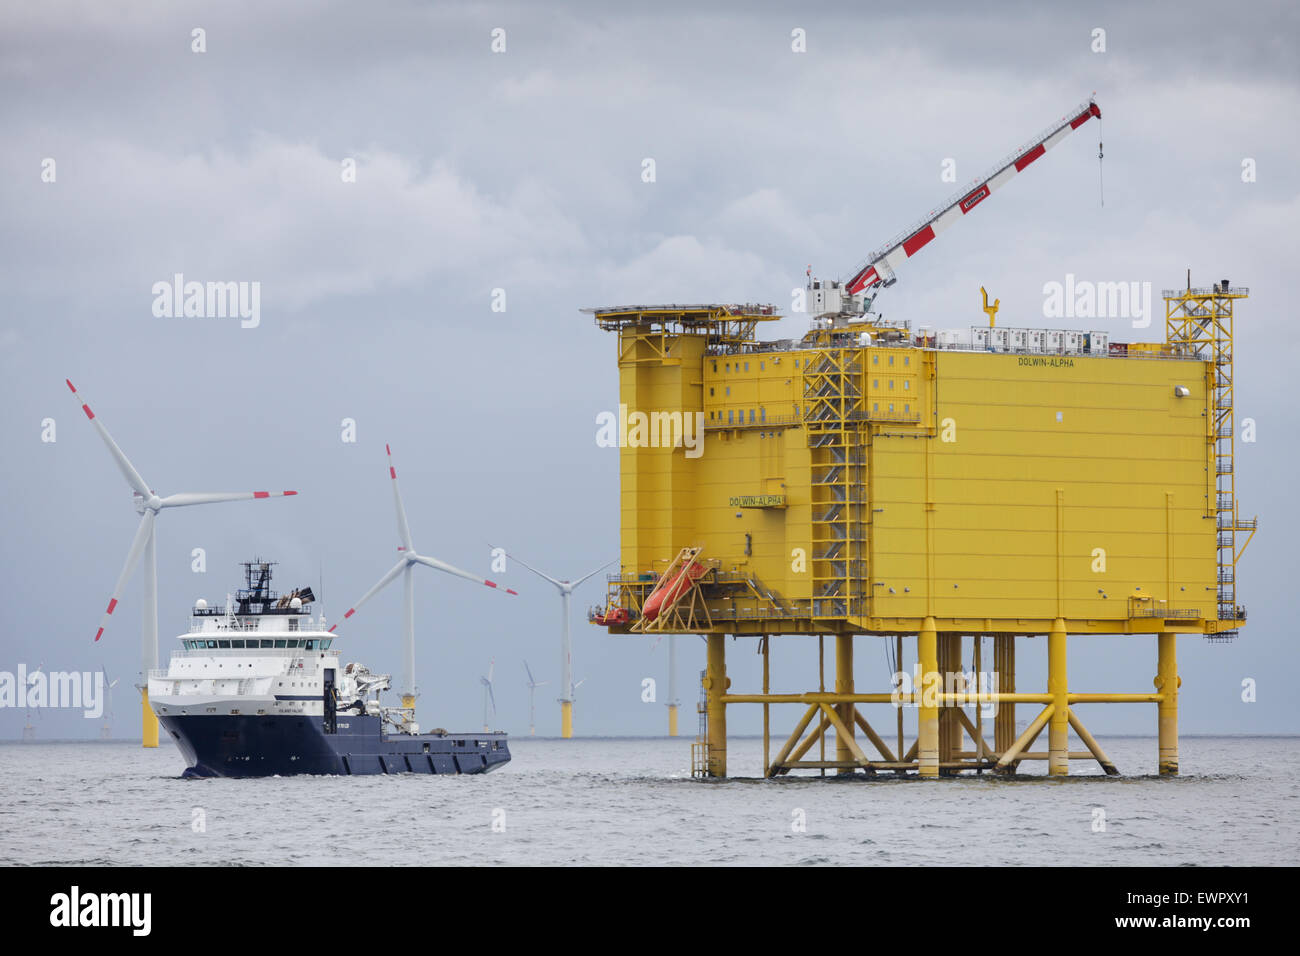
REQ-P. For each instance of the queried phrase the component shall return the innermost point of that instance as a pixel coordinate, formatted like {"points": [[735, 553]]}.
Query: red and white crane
{"points": [[878, 269]]}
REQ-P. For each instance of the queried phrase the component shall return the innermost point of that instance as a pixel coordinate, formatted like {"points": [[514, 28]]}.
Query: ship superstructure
{"points": [[257, 688]]}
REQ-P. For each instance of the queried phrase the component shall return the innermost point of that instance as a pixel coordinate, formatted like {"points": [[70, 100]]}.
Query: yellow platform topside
{"points": [[843, 488]]}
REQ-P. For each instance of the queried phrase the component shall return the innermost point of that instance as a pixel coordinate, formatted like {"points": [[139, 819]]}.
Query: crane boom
{"points": [[879, 266]]}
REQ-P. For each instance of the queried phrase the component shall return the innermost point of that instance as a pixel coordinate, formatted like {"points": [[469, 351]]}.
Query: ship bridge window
{"points": [[281, 643], [212, 643], [311, 645], [325, 644], [236, 643]]}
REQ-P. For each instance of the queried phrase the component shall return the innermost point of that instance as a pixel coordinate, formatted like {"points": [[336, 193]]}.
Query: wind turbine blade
{"points": [[123, 463], [386, 580], [558, 584], [181, 500], [492, 666], [492, 697], [442, 566], [142, 535], [531, 679], [597, 571], [403, 528]]}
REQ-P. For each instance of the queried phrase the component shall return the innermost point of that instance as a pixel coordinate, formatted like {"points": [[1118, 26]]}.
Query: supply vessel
{"points": [[258, 688]]}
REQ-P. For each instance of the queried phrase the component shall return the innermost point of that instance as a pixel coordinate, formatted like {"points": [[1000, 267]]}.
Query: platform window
{"points": [[891, 360], [875, 360], [762, 414], [731, 416], [891, 384], [728, 367], [710, 391], [875, 406], [715, 367], [266, 643], [751, 416], [280, 643], [907, 408], [891, 406], [727, 393], [875, 383], [746, 366], [907, 384], [762, 366], [223, 644], [237, 644], [293, 624], [907, 360]]}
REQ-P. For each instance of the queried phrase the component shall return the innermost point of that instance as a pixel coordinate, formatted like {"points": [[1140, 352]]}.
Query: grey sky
{"points": [[522, 171]]}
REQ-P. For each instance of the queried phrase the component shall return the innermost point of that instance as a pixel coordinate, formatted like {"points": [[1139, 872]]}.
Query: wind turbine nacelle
{"points": [[828, 297]]}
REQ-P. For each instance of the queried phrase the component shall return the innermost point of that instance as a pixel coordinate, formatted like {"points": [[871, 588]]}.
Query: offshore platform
{"points": [[970, 488]]}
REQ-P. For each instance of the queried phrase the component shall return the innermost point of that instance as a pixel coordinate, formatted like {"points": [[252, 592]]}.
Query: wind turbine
{"points": [[106, 731], [533, 684], [567, 686], [404, 567], [148, 505], [673, 703], [488, 695], [29, 729]]}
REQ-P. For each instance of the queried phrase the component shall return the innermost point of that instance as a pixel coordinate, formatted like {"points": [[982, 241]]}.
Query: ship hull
{"points": [[235, 745]]}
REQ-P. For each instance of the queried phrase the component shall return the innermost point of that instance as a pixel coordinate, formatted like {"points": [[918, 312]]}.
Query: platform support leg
{"points": [[1058, 729], [1167, 682], [1004, 719], [927, 738], [844, 685], [715, 685]]}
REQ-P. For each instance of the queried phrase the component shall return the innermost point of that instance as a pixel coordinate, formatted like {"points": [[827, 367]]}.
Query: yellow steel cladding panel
{"points": [[1053, 486], [660, 410]]}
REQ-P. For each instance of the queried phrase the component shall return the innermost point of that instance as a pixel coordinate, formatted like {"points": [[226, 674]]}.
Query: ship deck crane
{"points": [[878, 269]]}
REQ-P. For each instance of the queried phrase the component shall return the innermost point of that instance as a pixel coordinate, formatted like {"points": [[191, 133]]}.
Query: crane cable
{"points": [[1101, 184]]}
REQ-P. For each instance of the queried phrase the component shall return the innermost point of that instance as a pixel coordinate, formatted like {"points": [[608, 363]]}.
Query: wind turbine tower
{"points": [[673, 702], [148, 505], [533, 684], [567, 686], [488, 696], [405, 565]]}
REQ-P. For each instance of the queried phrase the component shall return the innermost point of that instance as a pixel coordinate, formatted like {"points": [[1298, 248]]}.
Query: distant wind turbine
{"points": [[533, 684], [148, 505], [567, 687], [488, 696], [29, 729], [404, 567]]}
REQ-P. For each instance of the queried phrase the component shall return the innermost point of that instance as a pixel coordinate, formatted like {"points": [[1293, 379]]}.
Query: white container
{"points": [[1000, 339], [1099, 343], [1034, 339], [979, 337], [1018, 339], [1055, 341], [1073, 341]]}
